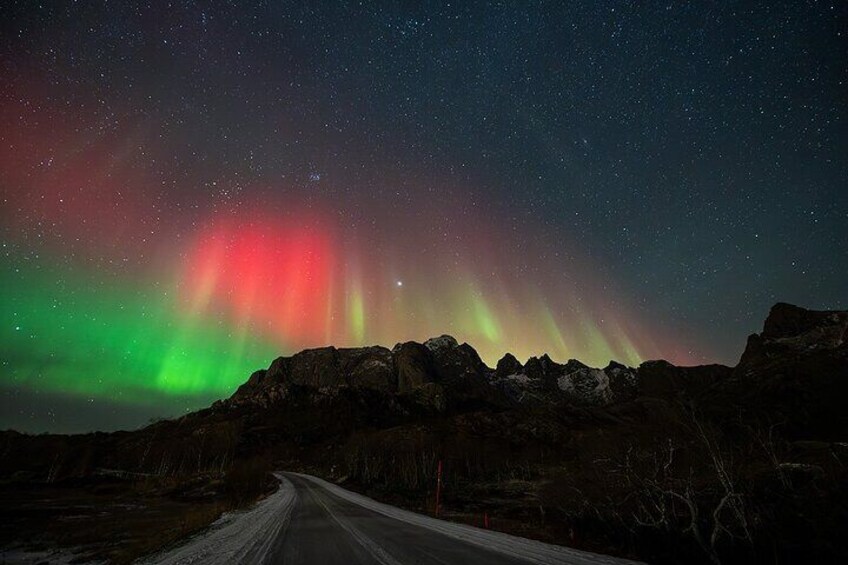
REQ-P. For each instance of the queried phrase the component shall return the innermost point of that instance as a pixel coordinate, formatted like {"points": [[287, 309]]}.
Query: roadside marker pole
{"points": [[438, 487]]}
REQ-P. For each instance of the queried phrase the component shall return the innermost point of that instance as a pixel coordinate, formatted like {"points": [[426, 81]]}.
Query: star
{"points": [[631, 163]]}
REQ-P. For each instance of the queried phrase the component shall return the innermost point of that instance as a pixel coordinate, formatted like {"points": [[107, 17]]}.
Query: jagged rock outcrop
{"points": [[623, 381], [413, 364], [325, 367], [795, 372], [544, 370], [818, 329], [574, 381], [790, 331], [438, 374], [442, 373], [508, 365], [597, 386], [409, 369], [258, 390], [371, 367]]}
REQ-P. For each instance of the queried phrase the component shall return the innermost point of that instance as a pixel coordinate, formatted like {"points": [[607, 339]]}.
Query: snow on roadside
{"points": [[514, 546], [20, 556], [236, 537]]}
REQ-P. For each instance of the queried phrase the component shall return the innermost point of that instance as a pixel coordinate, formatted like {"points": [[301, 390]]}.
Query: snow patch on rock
{"points": [[441, 343], [375, 363], [518, 378], [588, 384]]}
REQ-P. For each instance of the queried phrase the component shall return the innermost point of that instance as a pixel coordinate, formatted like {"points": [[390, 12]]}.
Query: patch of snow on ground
{"points": [[237, 537]]}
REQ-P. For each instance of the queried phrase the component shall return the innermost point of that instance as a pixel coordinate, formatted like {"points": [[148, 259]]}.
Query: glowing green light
{"points": [[82, 335], [356, 314], [483, 317], [553, 332]]}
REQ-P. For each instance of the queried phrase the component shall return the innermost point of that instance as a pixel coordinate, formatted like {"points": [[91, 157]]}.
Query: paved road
{"points": [[309, 521], [328, 529]]}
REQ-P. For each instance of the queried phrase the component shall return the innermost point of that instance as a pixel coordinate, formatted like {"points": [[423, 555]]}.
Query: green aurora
{"points": [[72, 333]]}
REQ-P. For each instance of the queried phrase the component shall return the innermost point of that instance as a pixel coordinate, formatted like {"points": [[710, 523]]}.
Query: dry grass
{"points": [[119, 520]]}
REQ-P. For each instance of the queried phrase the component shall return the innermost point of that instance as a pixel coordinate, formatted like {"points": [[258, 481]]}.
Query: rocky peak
{"points": [[441, 343], [542, 377], [454, 375], [613, 366], [791, 330], [414, 365], [613, 383], [786, 321], [454, 362], [542, 368], [402, 370], [508, 365]]}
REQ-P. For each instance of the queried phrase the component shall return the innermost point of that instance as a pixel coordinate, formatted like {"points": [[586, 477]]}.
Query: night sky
{"points": [[190, 190]]}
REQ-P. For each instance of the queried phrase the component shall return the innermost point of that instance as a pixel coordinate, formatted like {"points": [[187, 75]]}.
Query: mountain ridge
{"points": [[442, 361], [595, 458]]}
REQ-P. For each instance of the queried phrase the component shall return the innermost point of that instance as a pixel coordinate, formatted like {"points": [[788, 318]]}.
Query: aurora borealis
{"points": [[186, 197], [249, 285]]}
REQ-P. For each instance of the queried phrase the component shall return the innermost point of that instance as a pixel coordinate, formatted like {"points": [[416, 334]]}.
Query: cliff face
{"points": [[796, 369], [440, 364], [791, 333], [444, 374]]}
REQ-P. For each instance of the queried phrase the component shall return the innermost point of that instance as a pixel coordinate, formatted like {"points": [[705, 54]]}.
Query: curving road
{"points": [[309, 521]]}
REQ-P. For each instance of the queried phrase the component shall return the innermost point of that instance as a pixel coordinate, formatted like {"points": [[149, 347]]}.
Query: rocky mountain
{"points": [[667, 464], [792, 334], [419, 370], [439, 368], [450, 375]]}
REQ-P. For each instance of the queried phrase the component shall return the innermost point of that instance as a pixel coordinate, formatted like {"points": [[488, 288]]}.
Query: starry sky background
{"points": [[190, 189]]}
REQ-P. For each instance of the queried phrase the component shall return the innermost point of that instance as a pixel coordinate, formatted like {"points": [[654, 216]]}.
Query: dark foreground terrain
{"points": [[308, 520], [659, 463]]}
